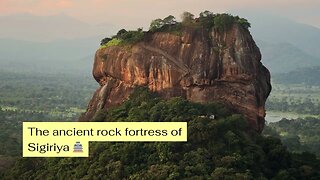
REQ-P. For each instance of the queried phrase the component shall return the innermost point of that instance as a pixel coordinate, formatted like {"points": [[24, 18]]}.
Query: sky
{"points": [[131, 13]]}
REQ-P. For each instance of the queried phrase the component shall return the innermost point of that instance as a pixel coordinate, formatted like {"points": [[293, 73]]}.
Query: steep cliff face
{"points": [[200, 65]]}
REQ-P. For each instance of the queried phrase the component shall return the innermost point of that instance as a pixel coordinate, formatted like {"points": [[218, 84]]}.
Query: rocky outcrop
{"points": [[200, 65]]}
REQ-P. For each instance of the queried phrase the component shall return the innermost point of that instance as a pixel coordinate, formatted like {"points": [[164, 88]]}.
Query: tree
{"points": [[223, 22], [206, 14], [187, 17], [169, 20], [121, 33], [105, 41], [156, 24], [244, 23], [206, 18]]}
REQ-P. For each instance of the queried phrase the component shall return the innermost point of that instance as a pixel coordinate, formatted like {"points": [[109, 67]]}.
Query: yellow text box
{"points": [[71, 139]]}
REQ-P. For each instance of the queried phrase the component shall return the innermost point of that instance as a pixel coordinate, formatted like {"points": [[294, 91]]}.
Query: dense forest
{"points": [[296, 92], [287, 104], [294, 98], [223, 148], [299, 135], [38, 97], [48, 93]]}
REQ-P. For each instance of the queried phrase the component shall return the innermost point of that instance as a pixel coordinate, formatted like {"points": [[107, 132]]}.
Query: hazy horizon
{"points": [[69, 30], [130, 14]]}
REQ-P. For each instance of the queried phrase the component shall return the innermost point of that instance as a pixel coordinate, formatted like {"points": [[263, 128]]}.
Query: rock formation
{"points": [[200, 65]]}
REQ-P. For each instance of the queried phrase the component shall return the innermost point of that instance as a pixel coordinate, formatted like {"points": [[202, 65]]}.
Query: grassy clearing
{"points": [[113, 42]]}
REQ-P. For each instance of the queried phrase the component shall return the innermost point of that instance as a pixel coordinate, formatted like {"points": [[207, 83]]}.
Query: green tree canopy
{"points": [[156, 24], [187, 17], [223, 148], [169, 20]]}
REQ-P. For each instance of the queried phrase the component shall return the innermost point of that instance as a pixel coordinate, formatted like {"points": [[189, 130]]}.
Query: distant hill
{"points": [[11, 49], [38, 41], [57, 56], [274, 29], [308, 76], [285, 57], [285, 44], [29, 27], [57, 43]]}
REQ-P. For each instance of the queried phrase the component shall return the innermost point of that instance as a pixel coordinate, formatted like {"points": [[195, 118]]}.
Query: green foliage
{"points": [[169, 20], [105, 41], [216, 149], [121, 33], [38, 97], [165, 24], [113, 42], [223, 22], [10, 137], [130, 37], [206, 14], [207, 20], [123, 37], [187, 18], [295, 100], [243, 22], [156, 24], [299, 135]]}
